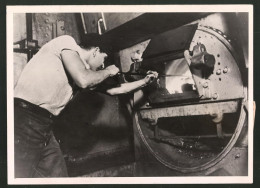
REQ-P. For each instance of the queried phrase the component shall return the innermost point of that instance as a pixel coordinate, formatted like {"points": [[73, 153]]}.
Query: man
{"points": [[44, 88]]}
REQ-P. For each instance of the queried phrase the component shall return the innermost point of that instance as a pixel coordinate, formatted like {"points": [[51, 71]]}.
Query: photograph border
{"points": [[124, 8]]}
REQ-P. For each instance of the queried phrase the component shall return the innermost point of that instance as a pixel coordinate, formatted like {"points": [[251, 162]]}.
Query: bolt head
{"points": [[237, 156], [205, 85], [225, 70], [218, 72], [215, 96]]}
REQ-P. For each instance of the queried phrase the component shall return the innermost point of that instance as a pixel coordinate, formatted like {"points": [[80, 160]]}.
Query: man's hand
{"points": [[113, 70], [187, 56], [151, 75]]}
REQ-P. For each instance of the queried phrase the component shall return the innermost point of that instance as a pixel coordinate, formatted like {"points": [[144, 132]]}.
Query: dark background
{"points": [[3, 116]]}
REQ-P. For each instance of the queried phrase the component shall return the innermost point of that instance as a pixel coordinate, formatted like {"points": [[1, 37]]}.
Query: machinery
{"points": [[195, 115]]}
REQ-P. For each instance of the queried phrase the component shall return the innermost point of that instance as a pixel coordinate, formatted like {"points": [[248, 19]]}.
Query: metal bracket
{"points": [[217, 119]]}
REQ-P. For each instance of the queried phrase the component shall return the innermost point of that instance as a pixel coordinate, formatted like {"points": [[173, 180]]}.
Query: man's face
{"points": [[96, 60], [136, 56]]}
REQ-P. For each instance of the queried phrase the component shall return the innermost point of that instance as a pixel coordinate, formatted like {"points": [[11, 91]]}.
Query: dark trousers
{"points": [[37, 153]]}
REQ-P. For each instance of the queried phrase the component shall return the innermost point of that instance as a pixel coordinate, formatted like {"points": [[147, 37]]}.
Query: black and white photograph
{"points": [[159, 94]]}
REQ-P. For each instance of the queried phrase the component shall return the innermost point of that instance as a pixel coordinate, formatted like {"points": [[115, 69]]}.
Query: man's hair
{"points": [[92, 40]]}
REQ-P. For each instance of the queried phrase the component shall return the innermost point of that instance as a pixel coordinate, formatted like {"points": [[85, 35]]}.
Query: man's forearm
{"points": [[127, 87]]}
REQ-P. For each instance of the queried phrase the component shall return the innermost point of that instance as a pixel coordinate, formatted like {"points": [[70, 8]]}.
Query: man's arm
{"points": [[131, 86], [83, 77]]}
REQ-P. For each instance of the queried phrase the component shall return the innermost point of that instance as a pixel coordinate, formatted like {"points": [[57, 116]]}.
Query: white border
{"points": [[124, 8]]}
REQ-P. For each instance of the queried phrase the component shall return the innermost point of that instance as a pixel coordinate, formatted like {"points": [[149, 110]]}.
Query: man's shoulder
{"points": [[64, 39], [62, 42]]}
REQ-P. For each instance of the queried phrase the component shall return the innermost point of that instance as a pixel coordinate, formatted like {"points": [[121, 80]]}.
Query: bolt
{"points": [[215, 96], [205, 85], [225, 70], [218, 72]]}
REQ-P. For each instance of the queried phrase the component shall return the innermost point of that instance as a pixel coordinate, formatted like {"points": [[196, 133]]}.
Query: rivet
{"points": [[225, 70], [46, 35], [229, 40], [62, 27], [225, 36], [147, 104], [218, 72], [215, 96], [47, 28], [47, 21]]}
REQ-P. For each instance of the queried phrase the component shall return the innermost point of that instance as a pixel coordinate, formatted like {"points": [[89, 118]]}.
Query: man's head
{"points": [[97, 49]]}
